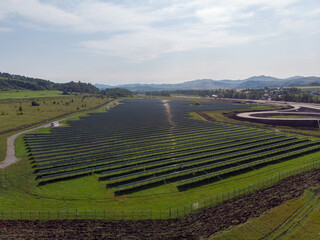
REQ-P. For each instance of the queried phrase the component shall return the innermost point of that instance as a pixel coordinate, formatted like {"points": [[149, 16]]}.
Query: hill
{"points": [[18, 82], [252, 82]]}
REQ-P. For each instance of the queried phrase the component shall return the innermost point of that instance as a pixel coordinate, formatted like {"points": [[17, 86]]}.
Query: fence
{"points": [[169, 213]]}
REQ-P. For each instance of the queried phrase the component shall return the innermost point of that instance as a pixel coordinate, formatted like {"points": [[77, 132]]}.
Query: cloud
{"points": [[145, 29], [38, 12], [147, 45], [5, 29]]}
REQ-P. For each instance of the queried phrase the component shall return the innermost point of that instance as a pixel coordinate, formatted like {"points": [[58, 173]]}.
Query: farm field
{"points": [[176, 160]]}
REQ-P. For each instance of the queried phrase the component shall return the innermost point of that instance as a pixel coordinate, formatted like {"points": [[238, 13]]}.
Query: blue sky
{"points": [[168, 41]]}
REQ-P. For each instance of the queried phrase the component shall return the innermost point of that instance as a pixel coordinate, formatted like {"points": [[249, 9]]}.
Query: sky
{"points": [[159, 41]]}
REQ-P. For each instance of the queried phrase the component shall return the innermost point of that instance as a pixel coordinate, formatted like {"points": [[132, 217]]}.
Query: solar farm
{"points": [[145, 143]]}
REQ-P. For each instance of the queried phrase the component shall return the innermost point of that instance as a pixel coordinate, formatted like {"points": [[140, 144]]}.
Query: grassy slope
{"points": [[9, 109], [286, 221], [29, 94], [309, 229], [48, 108]]}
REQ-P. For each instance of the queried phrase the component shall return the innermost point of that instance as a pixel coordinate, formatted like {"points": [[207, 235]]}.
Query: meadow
{"points": [[18, 112], [21, 191], [26, 192], [29, 94]]}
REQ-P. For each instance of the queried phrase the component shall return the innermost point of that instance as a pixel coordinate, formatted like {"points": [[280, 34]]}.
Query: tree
{"points": [[34, 103]]}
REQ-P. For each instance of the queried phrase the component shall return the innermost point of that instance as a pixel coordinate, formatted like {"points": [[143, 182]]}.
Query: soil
{"points": [[196, 226]]}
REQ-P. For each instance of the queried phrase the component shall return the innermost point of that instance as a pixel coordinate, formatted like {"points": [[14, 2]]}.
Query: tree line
{"points": [[18, 82], [291, 94]]}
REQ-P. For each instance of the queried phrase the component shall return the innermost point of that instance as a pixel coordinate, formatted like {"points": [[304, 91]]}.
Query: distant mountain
{"points": [[252, 82], [103, 86]]}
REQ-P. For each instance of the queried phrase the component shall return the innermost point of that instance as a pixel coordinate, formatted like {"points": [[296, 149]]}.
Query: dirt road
{"points": [[11, 156]]}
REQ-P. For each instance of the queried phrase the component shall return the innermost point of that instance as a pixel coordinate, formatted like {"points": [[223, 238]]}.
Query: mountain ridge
{"points": [[200, 84]]}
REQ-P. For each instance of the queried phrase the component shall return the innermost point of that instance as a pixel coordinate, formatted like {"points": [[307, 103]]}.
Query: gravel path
{"points": [[11, 157]]}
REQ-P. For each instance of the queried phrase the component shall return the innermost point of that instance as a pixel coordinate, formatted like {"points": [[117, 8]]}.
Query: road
{"points": [[292, 111], [11, 157]]}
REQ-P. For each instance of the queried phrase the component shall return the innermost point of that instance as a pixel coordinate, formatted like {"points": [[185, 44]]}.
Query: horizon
{"points": [[168, 42], [210, 80]]}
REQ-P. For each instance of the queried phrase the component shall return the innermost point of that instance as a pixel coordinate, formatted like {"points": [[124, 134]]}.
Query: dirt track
{"points": [[203, 224], [11, 157]]}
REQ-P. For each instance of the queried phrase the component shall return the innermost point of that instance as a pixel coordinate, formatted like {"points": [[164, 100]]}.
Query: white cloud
{"points": [[146, 45], [144, 30], [38, 12], [5, 29]]}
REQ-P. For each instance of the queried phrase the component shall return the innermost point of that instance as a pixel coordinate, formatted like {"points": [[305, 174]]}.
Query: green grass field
{"points": [[296, 219], [29, 94], [308, 87], [16, 112], [20, 191]]}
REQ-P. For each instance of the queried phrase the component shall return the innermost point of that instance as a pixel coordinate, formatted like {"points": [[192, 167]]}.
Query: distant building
{"points": [[55, 124]]}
